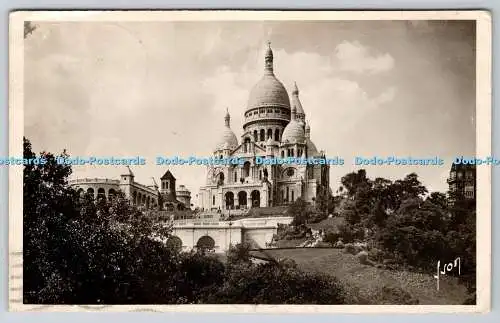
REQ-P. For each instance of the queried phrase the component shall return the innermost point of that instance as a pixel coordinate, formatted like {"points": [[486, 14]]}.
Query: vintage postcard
{"points": [[250, 161]]}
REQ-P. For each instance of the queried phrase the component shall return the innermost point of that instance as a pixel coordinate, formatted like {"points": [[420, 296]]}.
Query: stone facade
{"points": [[274, 127], [148, 197]]}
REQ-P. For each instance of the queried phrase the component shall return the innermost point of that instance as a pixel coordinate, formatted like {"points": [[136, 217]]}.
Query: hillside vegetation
{"points": [[370, 285]]}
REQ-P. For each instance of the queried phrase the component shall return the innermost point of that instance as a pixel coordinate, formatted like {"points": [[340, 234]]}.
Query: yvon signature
{"points": [[454, 265]]}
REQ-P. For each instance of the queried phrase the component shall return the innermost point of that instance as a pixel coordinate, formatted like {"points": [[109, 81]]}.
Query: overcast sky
{"points": [[149, 89]]}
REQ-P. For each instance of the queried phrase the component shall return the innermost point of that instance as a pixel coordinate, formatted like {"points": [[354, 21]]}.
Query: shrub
{"points": [[350, 248], [363, 257], [278, 283]]}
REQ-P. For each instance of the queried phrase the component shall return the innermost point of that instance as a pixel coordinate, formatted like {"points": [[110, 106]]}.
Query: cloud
{"points": [[135, 89], [333, 105], [357, 58]]}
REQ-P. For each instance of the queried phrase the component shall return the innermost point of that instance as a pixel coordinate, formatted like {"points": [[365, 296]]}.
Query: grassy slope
{"points": [[366, 282]]}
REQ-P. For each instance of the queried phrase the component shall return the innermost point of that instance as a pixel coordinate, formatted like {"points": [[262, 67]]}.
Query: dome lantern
{"points": [[227, 118], [268, 91], [269, 59]]}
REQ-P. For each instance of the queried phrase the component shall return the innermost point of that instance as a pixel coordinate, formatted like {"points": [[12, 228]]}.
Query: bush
{"points": [[278, 283]]}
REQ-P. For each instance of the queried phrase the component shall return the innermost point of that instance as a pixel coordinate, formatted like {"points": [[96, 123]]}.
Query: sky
{"points": [[368, 88]]}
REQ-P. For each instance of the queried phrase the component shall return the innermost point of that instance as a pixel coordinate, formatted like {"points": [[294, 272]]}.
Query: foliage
{"points": [[81, 251], [412, 229], [300, 212], [278, 282]]}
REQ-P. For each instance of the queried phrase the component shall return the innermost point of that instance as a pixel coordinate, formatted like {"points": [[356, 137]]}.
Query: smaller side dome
{"points": [[311, 148], [227, 139], [294, 132]]}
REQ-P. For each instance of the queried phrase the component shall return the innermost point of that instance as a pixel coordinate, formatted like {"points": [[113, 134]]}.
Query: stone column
{"points": [[249, 199]]}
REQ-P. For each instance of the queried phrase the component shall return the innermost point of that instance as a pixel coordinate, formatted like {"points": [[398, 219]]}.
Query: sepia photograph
{"points": [[247, 161]]}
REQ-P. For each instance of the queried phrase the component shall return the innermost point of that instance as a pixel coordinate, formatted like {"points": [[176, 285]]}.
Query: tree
{"points": [[438, 199], [322, 202], [77, 250], [352, 182], [300, 212]]}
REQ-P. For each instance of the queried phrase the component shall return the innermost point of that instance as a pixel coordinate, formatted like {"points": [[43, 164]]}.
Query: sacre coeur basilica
{"points": [[274, 127]]}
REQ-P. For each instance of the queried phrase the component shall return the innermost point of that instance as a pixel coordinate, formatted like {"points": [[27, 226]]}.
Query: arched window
{"points": [[292, 196], [277, 135], [246, 169], [282, 154], [235, 176], [262, 135], [255, 137], [269, 133], [213, 200], [221, 179]]}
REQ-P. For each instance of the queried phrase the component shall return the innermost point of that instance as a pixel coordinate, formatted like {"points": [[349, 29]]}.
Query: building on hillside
{"points": [[274, 126], [148, 197], [462, 183]]}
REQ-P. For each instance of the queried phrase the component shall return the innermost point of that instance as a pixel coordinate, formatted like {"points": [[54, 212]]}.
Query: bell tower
{"points": [[168, 184]]}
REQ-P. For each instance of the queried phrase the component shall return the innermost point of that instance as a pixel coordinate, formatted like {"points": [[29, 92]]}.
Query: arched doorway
{"points": [[242, 198], [206, 243], [111, 194], [174, 243], [229, 200], [255, 198], [90, 191]]}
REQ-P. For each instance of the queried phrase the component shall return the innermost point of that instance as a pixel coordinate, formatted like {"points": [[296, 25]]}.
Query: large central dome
{"points": [[269, 91]]}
